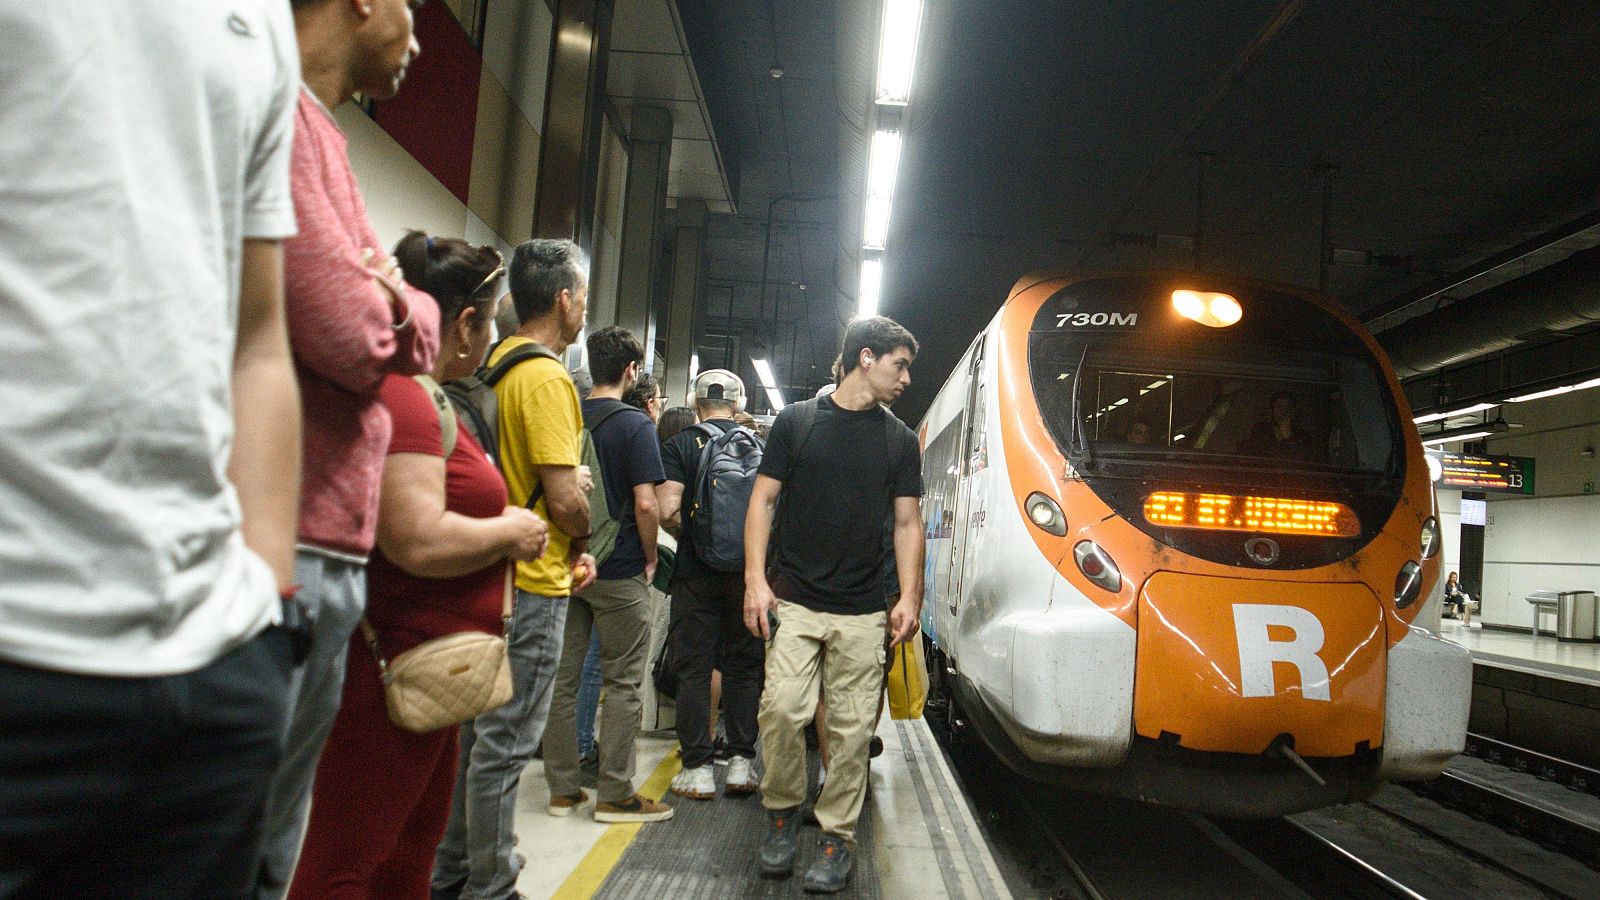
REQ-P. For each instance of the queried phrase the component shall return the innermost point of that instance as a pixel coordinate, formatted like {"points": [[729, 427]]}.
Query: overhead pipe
{"points": [[1557, 298]]}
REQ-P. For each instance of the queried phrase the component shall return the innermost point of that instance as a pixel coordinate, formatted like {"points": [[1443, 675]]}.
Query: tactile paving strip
{"points": [[708, 850]]}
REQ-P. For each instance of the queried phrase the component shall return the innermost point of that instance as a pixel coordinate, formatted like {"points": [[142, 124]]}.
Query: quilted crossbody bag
{"points": [[454, 678], [447, 680]]}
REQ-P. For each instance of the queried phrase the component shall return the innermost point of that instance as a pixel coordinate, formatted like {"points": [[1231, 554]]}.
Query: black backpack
{"points": [[475, 400], [721, 495]]}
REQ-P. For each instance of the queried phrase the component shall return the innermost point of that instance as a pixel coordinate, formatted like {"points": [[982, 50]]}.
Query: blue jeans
{"points": [[334, 594], [476, 859], [589, 698]]}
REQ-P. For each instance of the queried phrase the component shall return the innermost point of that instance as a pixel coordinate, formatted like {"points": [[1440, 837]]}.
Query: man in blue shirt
{"points": [[617, 605]]}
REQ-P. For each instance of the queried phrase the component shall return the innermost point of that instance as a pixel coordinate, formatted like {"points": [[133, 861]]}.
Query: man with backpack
{"points": [[540, 444], [627, 467], [841, 463], [710, 469]]}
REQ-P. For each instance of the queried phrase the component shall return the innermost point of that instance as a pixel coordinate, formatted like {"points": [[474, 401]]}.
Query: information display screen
{"points": [[1469, 472]]}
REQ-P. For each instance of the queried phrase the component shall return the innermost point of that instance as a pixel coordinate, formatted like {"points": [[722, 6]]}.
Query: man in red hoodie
{"points": [[352, 320]]}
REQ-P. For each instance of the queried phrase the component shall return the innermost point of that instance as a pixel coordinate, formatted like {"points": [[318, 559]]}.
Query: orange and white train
{"points": [[1179, 527]]}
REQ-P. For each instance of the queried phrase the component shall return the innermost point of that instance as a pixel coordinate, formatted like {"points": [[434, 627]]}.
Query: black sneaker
{"points": [[875, 747], [777, 851], [830, 871], [589, 771]]}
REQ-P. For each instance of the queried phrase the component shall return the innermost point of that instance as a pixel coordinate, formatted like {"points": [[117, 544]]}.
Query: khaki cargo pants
{"points": [[851, 681]]}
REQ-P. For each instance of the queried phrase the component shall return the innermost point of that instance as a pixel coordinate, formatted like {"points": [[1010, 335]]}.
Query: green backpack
{"points": [[603, 527]]}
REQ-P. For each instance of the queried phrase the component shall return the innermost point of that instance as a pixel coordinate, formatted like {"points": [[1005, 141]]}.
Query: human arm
{"points": [[418, 534], [669, 505], [758, 597], [908, 557], [567, 505], [265, 465], [352, 320], [647, 520]]}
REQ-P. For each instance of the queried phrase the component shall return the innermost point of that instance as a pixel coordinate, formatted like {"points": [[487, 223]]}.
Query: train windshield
{"points": [[1252, 407]]}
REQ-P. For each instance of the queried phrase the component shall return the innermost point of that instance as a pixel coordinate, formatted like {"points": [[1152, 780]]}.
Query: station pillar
{"points": [[688, 268], [644, 207]]}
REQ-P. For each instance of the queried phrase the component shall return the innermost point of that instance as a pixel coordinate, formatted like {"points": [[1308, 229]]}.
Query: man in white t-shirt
{"points": [[149, 442]]}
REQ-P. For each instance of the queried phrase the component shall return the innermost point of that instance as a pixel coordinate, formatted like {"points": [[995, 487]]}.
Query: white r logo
{"points": [[1258, 651]]}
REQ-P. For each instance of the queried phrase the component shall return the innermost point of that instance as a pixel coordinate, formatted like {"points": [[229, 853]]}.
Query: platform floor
{"points": [[918, 836], [1542, 655]]}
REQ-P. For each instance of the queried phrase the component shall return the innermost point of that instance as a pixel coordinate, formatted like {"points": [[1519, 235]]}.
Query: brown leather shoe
{"points": [[633, 809], [563, 805]]}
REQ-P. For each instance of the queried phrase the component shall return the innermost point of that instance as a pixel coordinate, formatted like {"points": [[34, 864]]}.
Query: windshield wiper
{"points": [[1079, 453]]}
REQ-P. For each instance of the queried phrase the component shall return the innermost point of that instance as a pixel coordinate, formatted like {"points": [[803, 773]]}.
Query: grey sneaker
{"points": [[830, 871], [777, 851]]}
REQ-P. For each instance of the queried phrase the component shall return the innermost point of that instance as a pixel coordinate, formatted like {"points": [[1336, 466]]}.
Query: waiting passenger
{"points": [[672, 421], [838, 482], [540, 427], [1139, 433], [707, 630], [617, 604], [382, 793], [1457, 599], [149, 450], [352, 322]]}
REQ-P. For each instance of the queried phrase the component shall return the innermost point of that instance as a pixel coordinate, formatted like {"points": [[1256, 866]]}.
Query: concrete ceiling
{"points": [[1050, 135]]}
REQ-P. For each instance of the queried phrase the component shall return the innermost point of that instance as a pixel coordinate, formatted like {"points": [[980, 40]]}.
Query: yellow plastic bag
{"points": [[908, 679]]}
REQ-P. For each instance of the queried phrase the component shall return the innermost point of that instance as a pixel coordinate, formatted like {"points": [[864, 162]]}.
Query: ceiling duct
{"points": [[1558, 298], [855, 70]]}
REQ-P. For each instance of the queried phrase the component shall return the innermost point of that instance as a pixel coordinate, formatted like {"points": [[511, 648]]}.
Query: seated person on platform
{"points": [[1457, 599]]}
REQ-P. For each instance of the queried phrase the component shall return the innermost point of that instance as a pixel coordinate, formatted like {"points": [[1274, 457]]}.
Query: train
{"points": [[1179, 529]]}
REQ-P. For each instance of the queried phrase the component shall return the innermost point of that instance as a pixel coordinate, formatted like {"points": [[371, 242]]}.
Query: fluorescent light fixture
{"points": [[1465, 433], [1452, 438], [1566, 389], [775, 399], [897, 50], [764, 373], [883, 167], [694, 364], [1440, 416], [871, 285]]}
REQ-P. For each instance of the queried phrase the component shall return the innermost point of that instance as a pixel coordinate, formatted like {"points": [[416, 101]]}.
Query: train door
{"points": [[971, 459]]}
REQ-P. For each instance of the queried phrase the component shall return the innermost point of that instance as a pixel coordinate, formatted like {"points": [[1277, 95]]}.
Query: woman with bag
{"points": [[437, 588]]}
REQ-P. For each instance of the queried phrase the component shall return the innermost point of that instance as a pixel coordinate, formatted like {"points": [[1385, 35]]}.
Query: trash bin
{"points": [[1575, 616]]}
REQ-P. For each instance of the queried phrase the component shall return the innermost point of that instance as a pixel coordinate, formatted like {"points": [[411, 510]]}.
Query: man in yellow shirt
{"points": [[540, 455]]}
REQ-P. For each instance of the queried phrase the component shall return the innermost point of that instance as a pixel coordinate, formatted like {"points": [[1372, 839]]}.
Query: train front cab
{"points": [[1181, 615]]}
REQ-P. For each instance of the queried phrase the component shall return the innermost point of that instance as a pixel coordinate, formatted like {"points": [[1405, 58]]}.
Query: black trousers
{"points": [[707, 631], [140, 787]]}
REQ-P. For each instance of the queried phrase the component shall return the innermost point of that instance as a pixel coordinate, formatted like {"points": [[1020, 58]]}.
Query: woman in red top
{"points": [[382, 794]]}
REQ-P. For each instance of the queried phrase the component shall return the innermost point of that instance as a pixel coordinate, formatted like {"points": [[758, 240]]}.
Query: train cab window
{"points": [[1259, 407]]}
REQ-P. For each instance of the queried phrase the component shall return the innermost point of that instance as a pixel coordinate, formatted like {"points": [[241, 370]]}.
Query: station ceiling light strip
{"points": [[899, 31], [764, 374]]}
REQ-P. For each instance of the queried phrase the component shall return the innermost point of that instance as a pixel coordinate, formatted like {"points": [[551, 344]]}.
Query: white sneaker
{"points": [[698, 783], [741, 776]]}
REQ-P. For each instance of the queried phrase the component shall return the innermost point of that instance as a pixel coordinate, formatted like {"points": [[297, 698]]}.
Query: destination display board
{"points": [[1470, 472]]}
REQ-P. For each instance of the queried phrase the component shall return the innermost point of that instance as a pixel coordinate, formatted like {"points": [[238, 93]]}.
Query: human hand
{"points": [[903, 620], [650, 567], [759, 601], [386, 274], [529, 534], [585, 480], [584, 571]]}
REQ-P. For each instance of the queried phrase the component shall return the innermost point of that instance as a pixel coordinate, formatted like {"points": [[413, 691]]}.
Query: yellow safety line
{"points": [[592, 870]]}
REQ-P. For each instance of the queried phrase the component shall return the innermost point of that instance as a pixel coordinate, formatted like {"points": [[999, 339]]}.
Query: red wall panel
{"points": [[435, 114]]}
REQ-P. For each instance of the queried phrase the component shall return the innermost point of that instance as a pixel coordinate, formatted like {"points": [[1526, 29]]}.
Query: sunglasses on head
{"points": [[498, 271]]}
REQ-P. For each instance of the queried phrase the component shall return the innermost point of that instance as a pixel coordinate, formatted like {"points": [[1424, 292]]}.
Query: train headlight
{"points": [[1407, 585], [1430, 537], [1097, 566], [1043, 512], [1207, 307]]}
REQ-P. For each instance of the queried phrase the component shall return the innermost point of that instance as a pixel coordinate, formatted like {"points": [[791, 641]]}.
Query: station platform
{"points": [[1522, 652], [917, 837]]}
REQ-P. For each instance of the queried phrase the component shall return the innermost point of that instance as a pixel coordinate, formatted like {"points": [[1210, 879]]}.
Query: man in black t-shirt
{"points": [[841, 464], [617, 604], [707, 624]]}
